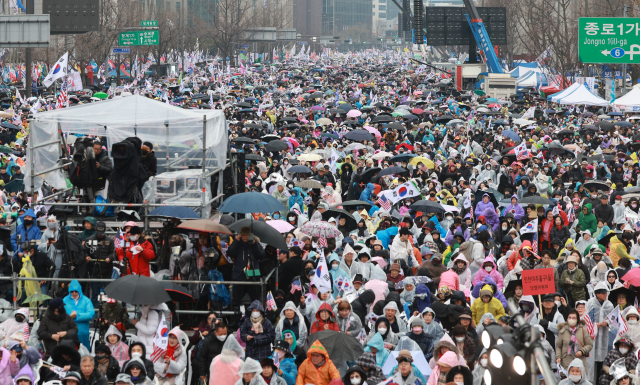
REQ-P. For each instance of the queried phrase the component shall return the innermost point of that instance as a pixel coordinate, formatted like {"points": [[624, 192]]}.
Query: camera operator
{"points": [[114, 313], [149, 159], [104, 165], [100, 253]]}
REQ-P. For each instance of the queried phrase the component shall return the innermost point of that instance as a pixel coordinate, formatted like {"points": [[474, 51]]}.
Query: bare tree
{"points": [[232, 17]]}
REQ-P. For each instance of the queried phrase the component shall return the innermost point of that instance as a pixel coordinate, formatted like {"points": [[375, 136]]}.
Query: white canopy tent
{"points": [[532, 79], [630, 99], [582, 95], [119, 118], [554, 98]]}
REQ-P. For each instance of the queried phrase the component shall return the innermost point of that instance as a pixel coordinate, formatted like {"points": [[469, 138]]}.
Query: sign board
{"points": [[303, 42], [139, 38], [609, 40], [121, 50], [72, 16], [149, 23], [24, 31], [538, 281], [449, 26]]}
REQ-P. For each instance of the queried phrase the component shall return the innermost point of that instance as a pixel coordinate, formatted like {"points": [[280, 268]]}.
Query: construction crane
{"points": [[482, 37]]}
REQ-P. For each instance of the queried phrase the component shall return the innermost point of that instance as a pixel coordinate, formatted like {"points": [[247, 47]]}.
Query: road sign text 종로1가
{"points": [[614, 40]]}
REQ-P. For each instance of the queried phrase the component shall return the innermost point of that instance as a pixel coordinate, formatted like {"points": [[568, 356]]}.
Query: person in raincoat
{"points": [[431, 326], [119, 350], [348, 322], [147, 325], [583, 245], [444, 345], [487, 303], [250, 373], [405, 375], [16, 324], [573, 342], [598, 308], [325, 320], [9, 365], [336, 273], [529, 310], [270, 372], [297, 197], [291, 319], [489, 268], [366, 193], [226, 365], [367, 361], [383, 328], [288, 369], [623, 349], [80, 309], [397, 323], [577, 373], [138, 372], [376, 346], [279, 194], [443, 365], [587, 220], [317, 369]]}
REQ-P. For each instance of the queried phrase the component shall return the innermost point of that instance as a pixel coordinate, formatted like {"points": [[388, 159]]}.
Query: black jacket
{"points": [[104, 171], [51, 324], [604, 212], [151, 163], [290, 269], [100, 252], [148, 365], [95, 379], [559, 237], [242, 253], [113, 368], [210, 348]]}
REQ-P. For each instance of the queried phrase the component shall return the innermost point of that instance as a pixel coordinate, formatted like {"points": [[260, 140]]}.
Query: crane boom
{"points": [[482, 37]]}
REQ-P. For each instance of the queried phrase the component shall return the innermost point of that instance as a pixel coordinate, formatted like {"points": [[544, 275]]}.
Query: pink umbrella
{"points": [[354, 113], [493, 105], [281, 226], [381, 262], [417, 92], [292, 141], [373, 131]]}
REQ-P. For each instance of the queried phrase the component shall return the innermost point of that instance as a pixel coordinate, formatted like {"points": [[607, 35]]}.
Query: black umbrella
{"points": [[605, 125], [346, 107], [594, 184], [269, 138], [604, 241], [509, 291], [277, 146], [358, 135], [177, 293], [444, 118], [334, 213], [242, 139], [16, 186], [367, 175], [427, 206], [254, 157], [329, 135], [392, 170], [300, 170], [251, 202], [382, 119], [395, 126], [288, 119], [556, 149], [244, 105], [613, 294], [339, 346], [354, 203], [536, 200], [137, 290], [266, 233]]}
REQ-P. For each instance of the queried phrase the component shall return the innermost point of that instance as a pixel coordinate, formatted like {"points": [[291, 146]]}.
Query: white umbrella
{"points": [[354, 113], [523, 122]]}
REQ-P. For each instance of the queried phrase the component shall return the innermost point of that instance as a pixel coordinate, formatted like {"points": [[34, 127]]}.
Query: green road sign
{"points": [[149, 23], [609, 40], [139, 38]]}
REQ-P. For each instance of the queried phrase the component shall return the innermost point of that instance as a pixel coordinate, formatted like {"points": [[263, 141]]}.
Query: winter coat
{"points": [[598, 313], [309, 374], [8, 369], [84, 311], [210, 348], [604, 212], [32, 233], [51, 324], [588, 221], [329, 324], [630, 362], [148, 324], [139, 262], [617, 251], [449, 358], [298, 326], [450, 279], [576, 363], [551, 328], [177, 363], [144, 375], [375, 374], [578, 288], [259, 346], [119, 351], [148, 365], [559, 236], [465, 275], [584, 343], [494, 306], [482, 273]]}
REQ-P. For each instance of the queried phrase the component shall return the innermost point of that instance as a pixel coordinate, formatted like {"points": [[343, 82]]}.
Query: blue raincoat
{"points": [[84, 311]]}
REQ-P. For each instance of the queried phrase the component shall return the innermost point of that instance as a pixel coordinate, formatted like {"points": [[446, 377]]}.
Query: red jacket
{"points": [[140, 262], [319, 324]]}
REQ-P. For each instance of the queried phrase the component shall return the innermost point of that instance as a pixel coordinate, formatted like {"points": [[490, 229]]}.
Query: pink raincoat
{"points": [[482, 273]]}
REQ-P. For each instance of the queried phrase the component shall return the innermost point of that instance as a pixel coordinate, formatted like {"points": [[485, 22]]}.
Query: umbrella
{"points": [[137, 290], [444, 118], [537, 200], [334, 213], [310, 157], [251, 202], [309, 183], [419, 360], [320, 229], [254, 157], [277, 146], [428, 207], [367, 175], [281, 226], [354, 113], [631, 295], [354, 203], [511, 135], [418, 279], [420, 159], [300, 170], [180, 212], [267, 234], [632, 277], [340, 346], [604, 241], [391, 170], [324, 122], [100, 95], [359, 135], [402, 157], [327, 134], [176, 292], [381, 155], [205, 226], [600, 186], [36, 297], [15, 186], [382, 119], [478, 198]]}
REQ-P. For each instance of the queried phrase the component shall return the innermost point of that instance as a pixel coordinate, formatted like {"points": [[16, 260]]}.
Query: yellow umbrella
{"points": [[421, 159], [310, 157]]}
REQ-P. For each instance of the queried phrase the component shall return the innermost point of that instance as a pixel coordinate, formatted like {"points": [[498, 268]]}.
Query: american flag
{"points": [[384, 203], [26, 332], [276, 360], [622, 328], [593, 331], [322, 242], [62, 98], [118, 242], [534, 243], [271, 302], [295, 285], [571, 215]]}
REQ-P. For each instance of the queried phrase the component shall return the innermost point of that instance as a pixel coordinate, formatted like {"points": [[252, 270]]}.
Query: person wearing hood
{"points": [[587, 220], [26, 231], [623, 348], [378, 347], [138, 350], [291, 319], [56, 326], [325, 320], [486, 303], [25, 377], [147, 325], [65, 356], [573, 342], [481, 365], [355, 375], [431, 326], [89, 224], [367, 362], [484, 204], [137, 370], [573, 280], [9, 365], [367, 192], [171, 363], [402, 249], [618, 248], [489, 268], [348, 323], [80, 309], [317, 369], [113, 340], [105, 364], [48, 245], [577, 373], [598, 308], [618, 210], [444, 345], [14, 325], [443, 364], [360, 306], [225, 367], [257, 332], [434, 267], [464, 344], [397, 324], [383, 328], [418, 335], [279, 194], [529, 310], [583, 245]]}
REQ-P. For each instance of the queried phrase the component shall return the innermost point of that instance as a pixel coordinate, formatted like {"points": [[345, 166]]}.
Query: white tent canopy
{"points": [[630, 99], [554, 98], [532, 79], [116, 119], [582, 95]]}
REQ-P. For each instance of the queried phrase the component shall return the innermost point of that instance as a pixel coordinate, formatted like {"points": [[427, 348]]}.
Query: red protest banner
{"points": [[538, 281]]}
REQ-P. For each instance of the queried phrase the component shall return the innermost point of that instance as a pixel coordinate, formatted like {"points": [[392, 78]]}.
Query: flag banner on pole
{"points": [[160, 340]]}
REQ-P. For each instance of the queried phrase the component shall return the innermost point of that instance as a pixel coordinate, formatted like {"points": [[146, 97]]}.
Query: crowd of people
{"points": [[410, 211]]}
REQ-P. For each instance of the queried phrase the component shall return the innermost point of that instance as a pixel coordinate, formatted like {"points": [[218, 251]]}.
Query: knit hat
{"points": [[486, 290], [123, 378]]}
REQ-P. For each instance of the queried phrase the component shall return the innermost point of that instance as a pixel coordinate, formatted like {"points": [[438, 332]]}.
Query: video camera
{"points": [[128, 174]]}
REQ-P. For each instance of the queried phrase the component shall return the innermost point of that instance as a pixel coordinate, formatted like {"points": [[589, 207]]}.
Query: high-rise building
{"points": [[306, 17], [341, 15]]}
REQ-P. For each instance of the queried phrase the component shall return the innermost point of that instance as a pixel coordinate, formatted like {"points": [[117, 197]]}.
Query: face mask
{"points": [[417, 330], [484, 362], [623, 350], [573, 322], [334, 266], [618, 202], [19, 318], [504, 228], [51, 225], [488, 269], [355, 381], [255, 314], [134, 237], [558, 303], [291, 219], [459, 383], [136, 355], [222, 337], [145, 152], [276, 216], [28, 222], [382, 331], [634, 205], [460, 339], [632, 321], [526, 308], [575, 378]]}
